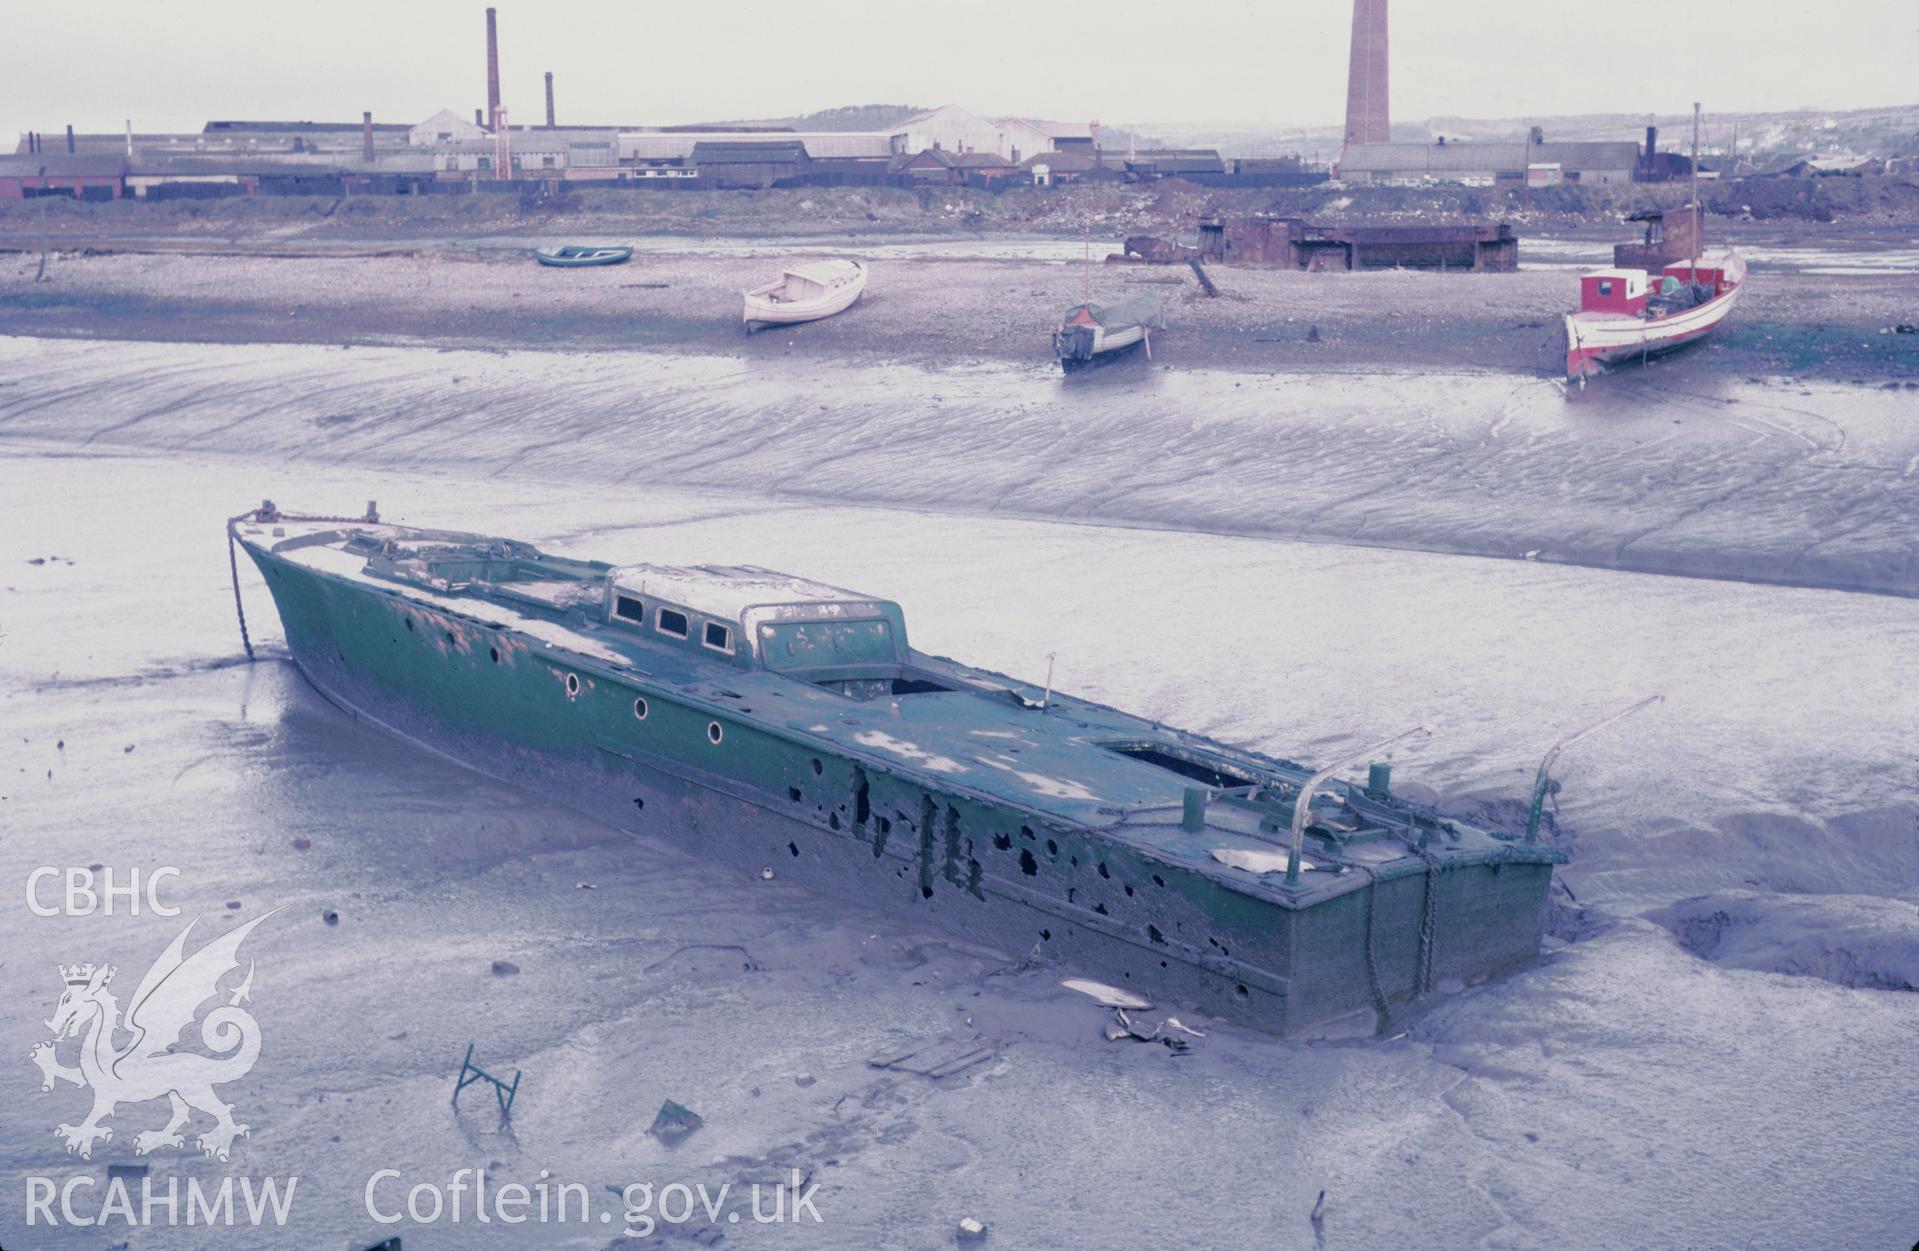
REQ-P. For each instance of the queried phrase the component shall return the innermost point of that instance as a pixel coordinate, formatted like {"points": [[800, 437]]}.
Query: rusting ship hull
{"points": [[1149, 910]]}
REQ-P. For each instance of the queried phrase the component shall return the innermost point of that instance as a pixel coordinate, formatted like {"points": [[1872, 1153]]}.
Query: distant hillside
{"points": [[853, 117]]}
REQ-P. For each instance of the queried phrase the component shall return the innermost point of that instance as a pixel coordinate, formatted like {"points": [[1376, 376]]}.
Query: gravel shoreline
{"points": [[929, 310]]}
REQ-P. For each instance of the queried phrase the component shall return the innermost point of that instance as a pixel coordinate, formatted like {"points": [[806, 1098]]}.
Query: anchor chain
{"points": [[240, 610], [1428, 921], [1372, 949], [264, 514]]}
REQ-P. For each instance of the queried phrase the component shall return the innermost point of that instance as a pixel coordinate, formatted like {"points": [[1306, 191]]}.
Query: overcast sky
{"points": [[173, 64]]}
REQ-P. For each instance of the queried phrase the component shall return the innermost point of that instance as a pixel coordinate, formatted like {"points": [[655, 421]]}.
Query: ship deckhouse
{"points": [[761, 618]]}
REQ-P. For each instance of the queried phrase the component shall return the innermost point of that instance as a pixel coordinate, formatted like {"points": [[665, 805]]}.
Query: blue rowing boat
{"points": [[576, 256]]}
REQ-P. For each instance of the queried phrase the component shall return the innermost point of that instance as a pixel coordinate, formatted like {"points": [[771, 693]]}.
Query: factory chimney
{"points": [[366, 137], [129, 136], [1367, 118], [549, 99], [492, 66], [69, 138]]}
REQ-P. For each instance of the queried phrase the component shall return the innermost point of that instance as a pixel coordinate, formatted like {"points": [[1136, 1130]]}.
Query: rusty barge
{"points": [[1292, 243]]}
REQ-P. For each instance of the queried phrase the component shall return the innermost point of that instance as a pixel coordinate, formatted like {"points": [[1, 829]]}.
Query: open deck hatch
{"points": [[1207, 773]]}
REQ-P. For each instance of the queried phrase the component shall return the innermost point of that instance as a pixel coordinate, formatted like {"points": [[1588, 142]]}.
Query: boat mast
{"points": [[1694, 275], [1087, 270]]}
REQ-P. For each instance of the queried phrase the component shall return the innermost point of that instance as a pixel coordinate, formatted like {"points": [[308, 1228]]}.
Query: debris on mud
{"points": [[675, 1123]]}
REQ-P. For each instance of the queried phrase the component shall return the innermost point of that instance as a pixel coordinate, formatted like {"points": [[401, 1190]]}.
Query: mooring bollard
{"points": [[1379, 779]]}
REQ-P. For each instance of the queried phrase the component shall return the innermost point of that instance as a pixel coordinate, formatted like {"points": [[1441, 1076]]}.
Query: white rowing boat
{"points": [[805, 292]]}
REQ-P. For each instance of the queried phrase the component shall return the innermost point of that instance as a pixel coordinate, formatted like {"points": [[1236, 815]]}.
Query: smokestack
{"points": [[1368, 119], [366, 137], [129, 136], [69, 138], [477, 119], [549, 99], [492, 66]]}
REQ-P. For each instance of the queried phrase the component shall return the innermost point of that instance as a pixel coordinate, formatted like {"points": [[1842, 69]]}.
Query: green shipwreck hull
{"points": [[765, 721]]}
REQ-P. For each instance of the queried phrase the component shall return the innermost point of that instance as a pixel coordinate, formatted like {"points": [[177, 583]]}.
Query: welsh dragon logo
{"points": [[148, 1066]]}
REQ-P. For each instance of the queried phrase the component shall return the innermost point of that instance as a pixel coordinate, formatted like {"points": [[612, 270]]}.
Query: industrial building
{"points": [[448, 152], [1369, 155], [951, 128], [1519, 161], [1174, 163], [84, 177]]}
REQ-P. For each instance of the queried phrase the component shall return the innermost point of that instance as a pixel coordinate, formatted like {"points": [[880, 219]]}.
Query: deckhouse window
{"points": [[718, 637], [671, 622], [1605, 288], [629, 608]]}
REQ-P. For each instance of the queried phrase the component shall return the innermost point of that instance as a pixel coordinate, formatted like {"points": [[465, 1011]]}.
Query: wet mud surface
{"points": [[1763, 480], [1713, 1049], [1659, 1077]]}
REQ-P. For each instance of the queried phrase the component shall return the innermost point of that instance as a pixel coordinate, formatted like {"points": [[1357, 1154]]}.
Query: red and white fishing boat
{"points": [[1624, 315]]}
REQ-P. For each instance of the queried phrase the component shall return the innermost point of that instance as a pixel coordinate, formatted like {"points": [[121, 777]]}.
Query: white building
{"points": [[950, 129], [1023, 137], [446, 126]]}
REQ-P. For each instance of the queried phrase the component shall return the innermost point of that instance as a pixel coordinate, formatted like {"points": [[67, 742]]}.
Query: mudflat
{"points": [[940, 305]]}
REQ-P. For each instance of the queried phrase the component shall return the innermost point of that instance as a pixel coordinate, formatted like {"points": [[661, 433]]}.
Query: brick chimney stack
{"points": [[1367, 117], [549, 100], [492, 66], [366, 137]]}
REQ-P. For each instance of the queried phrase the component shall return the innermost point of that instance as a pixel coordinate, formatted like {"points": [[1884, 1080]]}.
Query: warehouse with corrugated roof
{"points": [[1486, 162]]}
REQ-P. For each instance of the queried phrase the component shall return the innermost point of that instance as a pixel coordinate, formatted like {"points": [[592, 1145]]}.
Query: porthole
{"points": [[713, 732], [495, 653], [572, 685], [639, 708], [409, 625]]}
